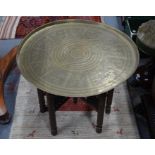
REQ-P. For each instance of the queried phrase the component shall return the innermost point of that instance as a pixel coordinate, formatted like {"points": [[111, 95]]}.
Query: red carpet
{"points": [[79, 106], [27, 24]]}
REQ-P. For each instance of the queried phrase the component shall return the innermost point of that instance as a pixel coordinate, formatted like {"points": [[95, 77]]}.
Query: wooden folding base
{"points": [[101, 103]]}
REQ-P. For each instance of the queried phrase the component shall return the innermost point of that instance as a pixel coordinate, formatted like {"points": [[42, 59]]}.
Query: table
{"points": [[77, 58]]}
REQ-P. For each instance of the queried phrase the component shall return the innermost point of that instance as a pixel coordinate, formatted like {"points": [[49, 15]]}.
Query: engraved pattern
{"points": [[77, 59]]}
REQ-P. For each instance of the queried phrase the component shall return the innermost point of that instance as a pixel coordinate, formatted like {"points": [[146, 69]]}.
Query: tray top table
{"points": [[77, 58]]}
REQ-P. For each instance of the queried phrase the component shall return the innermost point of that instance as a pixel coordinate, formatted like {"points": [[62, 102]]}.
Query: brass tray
{"points": [[77, 58]]}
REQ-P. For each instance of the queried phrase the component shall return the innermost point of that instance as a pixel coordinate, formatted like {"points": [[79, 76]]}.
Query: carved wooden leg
{"points": [[100, 113], [5, 66], [41, 98], [52, 117], [109, 101]]}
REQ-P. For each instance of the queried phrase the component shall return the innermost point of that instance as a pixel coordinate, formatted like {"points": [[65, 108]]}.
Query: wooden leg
{"points": [[52, 117], [92, 100], [60, 100], [109, 101], [41, 98], [100, 113], [5, 66], [75, 100]]}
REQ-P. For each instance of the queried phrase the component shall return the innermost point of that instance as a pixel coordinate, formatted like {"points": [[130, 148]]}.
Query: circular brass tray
{"points": [[77, 58]]}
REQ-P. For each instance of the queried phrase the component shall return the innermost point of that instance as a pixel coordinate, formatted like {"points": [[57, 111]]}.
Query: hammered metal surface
{"points": [[77, 58]]}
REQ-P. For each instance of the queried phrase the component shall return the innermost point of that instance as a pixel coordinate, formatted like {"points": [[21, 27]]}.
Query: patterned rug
{"points": [[19, 26], [28, 122]]}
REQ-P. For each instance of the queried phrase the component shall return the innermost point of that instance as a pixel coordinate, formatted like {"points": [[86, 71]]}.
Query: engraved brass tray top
{"points": [[77, 58]]}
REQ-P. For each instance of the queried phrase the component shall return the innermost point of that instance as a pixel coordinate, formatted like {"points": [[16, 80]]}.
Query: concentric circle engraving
{"points": [[77, 58]]}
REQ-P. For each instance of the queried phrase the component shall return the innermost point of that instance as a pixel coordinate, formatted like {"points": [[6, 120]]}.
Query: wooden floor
{"points": [[28, 122]]}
